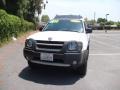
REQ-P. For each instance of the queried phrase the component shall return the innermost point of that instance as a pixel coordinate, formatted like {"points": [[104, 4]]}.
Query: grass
{"points": [[10, 40]]}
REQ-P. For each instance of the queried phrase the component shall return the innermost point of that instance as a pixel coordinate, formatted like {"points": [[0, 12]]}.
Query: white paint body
{"points": [[62, 36]]}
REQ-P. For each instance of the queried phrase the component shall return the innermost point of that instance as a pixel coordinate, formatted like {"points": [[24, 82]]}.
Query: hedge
{"points": [[11, 25]]}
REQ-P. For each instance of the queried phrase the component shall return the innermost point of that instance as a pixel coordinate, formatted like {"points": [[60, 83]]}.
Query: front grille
{"points": [[49, 46]]}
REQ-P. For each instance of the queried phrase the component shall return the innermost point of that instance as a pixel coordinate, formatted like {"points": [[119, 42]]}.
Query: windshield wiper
{"points": [[68, 30], [49, 30], [61, 30]]}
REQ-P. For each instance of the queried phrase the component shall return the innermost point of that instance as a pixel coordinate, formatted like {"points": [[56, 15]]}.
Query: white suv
{"points": [[63, 42]]}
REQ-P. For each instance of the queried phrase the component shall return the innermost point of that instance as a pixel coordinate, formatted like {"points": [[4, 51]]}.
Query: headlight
{"points": [[29, 43], [74, 46]]}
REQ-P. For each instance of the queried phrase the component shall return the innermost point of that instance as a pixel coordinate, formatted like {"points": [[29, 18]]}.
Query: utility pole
{"points": [[94, 19], [106, 16], [106, 22]]}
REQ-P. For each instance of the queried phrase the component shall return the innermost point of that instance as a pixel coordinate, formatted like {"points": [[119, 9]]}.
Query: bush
{"points": [[11, 25], [118, 24]]}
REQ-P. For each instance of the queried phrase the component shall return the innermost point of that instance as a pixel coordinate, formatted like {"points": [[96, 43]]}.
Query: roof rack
{"points": [[67, 17]]}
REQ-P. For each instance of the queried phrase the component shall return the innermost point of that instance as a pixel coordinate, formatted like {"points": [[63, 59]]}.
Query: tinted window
{"points": [[64, 25]]}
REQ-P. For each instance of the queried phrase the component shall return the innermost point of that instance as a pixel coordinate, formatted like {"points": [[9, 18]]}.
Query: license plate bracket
{"points": [[46, 56]]}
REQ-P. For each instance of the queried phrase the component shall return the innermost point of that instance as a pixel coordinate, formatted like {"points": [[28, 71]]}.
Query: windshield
{"points": [[64, 25]]}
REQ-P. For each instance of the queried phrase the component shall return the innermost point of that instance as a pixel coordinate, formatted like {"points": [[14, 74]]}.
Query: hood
{"points": [[61, 36], [58, 36]]}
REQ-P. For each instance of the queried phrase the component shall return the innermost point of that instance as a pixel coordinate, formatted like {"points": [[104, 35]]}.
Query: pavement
{"points": [[103, 68]]}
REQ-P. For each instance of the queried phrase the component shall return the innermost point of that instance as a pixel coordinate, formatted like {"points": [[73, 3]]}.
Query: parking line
{"points": [[116, 38], [105, 54], [105, 44]]}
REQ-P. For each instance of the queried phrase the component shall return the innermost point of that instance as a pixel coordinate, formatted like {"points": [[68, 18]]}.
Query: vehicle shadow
{"points": [[50, 75]]}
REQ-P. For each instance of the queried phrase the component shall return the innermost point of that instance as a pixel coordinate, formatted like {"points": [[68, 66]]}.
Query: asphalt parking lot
{"points": [[103, 68]]}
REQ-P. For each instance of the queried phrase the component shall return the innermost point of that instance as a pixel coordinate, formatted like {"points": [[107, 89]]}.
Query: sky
{"points": [[85, 8]]}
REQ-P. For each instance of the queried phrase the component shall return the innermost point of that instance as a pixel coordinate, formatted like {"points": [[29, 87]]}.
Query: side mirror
{"points": [[41, 27], [88, 30]]}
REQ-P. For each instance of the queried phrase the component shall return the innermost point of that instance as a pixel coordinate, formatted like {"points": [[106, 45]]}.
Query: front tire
{"points": [[81, 70], [31, 65]]}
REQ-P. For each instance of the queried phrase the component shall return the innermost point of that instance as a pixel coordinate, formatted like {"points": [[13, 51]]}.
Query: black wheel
{"points": [[81, 70], [86, 54], [31, 65]]}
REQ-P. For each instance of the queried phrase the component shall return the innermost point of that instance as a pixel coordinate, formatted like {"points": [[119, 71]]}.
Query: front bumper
{"points": [[59, 59]]}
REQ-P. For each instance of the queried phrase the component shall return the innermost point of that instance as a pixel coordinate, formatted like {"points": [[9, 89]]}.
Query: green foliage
{"points": [[118, 24], [45, 18], [34, 7], [11, 25], [37, 4], [101, 20], [10, 6], [23, 8], [109, 23], [2, 4]]}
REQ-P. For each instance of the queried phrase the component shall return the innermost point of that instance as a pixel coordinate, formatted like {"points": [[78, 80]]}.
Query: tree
{"points": [[2, 4], [110, 23], [10, 6], [35, 6], [45, 18], [38, 6], [25, 9], [101, 20], [118, 24]]}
